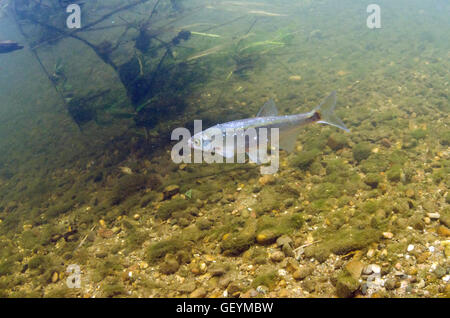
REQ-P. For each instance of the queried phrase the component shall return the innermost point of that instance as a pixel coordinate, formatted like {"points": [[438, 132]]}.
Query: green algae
{"points": [[127, 185], [168, 208], [373, 180], [418, 134], [375, 163], [343, 241], [325, 190], [273, 227], [346, 285], [268, 279], [158, 250], [394, 174], [304, 159], [236, 243], [361, 151]]}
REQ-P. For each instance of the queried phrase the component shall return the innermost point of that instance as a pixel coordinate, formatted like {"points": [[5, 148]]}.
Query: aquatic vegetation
{"points": [[361, 151], [128, 185], [268, 228], [268, 279], [342, 241], [394, 173], [158, 250], [168, 208], [304, 159]]}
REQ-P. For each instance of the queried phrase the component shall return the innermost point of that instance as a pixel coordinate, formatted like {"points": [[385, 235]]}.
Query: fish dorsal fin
{"points": [[268, 109]]}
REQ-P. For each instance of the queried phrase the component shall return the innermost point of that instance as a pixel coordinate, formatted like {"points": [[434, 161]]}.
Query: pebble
{"points": [[434, 216], [267, 179], [262, 289], [390, 284], [354, 267], [188, 287], [372, 268], [170, 191], [443, 231], [410, 247], [370, 253], [55, 277], [277, 256], [302, 272], [136, 216], [295, 78], [198, 293], [282, 240], [217, 270], [410, 193], [446, 245], [291, 265], [388, 235], [143, 265]]}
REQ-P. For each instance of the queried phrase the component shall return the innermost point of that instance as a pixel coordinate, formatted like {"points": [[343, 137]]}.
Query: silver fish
{"points": [[289, 127], [9, 46]]}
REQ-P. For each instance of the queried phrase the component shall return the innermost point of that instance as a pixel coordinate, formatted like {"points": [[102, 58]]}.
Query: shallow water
{"points": [[86, 175]]}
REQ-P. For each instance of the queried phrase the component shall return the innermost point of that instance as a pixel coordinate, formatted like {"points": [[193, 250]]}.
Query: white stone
{"points": [[434, 216], [376, 269], [410, 247]]}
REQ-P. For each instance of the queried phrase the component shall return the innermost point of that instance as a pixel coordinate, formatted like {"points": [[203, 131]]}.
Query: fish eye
{"points": [[196, 142]]}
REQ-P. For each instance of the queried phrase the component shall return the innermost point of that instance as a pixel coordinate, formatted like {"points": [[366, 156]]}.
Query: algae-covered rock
{"points": [[268, 279], [445, 138], [170, 265], [361, 151], [168, 208], [160, 249], [270, 228], [376, 163], [373, 179], [170, 191], [128, 185], [304, 159], [394, 174], [346, 285], [325, 190], [204, 224], [445, 216], [337, 141], [418, 134], [342, 241], [236, 243]]}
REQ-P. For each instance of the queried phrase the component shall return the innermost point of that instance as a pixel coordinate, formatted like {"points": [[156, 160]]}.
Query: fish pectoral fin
{"points": [[288, 139], [268, 109]]}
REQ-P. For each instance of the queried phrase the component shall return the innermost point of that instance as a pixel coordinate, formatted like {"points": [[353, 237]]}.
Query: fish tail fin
{"points": [[325, 112]]}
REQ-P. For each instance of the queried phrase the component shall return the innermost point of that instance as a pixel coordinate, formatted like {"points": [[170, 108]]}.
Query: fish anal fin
{"points": [[288, 139]]}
